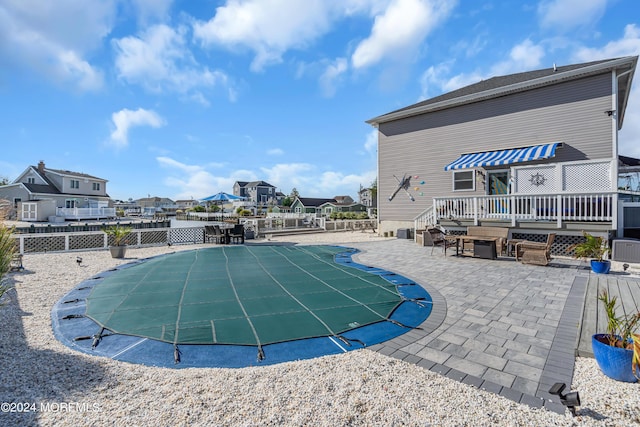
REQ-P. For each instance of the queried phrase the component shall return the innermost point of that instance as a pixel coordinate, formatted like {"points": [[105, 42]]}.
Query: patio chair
{"points": [[209, 233], [237, 233], [436, 237], [537, 253]]}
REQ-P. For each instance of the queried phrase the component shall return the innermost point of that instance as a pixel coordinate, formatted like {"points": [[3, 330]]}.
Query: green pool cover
{"points": [[241, 295]]}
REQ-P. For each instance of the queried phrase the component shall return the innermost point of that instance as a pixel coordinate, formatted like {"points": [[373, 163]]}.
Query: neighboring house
{"points": [[260, 193], [309, 205], [367, 197], [536, 151], [187, 203], [153, 205], [40, 192], [326, 206]]}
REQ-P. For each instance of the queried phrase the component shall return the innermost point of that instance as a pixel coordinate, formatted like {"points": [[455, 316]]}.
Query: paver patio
{"points": [[499, 325]]}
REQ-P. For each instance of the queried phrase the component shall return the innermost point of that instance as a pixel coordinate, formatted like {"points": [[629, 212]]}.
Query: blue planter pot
{"points": [[614, 362], [600, 267]]}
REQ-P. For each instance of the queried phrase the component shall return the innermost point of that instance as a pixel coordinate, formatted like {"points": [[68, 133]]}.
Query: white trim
{"points": [[473, 180]]}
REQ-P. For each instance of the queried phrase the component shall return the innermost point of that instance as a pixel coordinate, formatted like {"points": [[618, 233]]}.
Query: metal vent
{"points": [[626, 250]]}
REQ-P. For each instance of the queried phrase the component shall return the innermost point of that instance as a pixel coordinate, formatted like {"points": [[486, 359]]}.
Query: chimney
{"points": [[41, 167]]}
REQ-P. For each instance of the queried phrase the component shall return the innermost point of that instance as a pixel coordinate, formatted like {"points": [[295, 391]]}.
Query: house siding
{"points": [[420, 146]]}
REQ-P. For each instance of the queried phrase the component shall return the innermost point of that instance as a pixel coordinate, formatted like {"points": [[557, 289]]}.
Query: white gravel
{"points": [[62, 387]]}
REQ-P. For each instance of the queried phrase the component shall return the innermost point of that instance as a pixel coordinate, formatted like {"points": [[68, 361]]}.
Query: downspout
{"points": [[614, 167]]}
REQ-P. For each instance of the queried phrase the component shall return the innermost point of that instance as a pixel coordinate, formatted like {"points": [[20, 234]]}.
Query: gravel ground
{"points": [[61, 387]]}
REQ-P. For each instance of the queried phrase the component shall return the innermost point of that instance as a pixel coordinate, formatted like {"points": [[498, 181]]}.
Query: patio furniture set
{"points": [[488, 243], [226, 235]]}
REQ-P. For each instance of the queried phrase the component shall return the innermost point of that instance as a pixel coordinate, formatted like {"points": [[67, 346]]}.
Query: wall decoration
{"points": [[537, 179], [403, 184]]}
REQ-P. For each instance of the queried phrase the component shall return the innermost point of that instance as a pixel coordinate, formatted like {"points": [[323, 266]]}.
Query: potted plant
{"points": [[615, 351], [594, 248], [118, 233]]}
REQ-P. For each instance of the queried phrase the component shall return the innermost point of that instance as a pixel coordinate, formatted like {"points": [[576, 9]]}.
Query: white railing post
{"points": [[475, 211], [512, 208], [559, 210], [614, 203]]}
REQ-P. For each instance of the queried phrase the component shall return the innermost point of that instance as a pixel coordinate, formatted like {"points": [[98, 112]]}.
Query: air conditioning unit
{"points": [[626, 250]]}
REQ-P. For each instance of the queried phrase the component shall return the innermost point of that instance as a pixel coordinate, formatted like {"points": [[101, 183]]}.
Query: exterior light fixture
{"points": [[609, 112], [570, 400]]}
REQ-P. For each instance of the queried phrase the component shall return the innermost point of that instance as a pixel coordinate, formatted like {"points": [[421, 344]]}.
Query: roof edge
{"points": [[492, 93]]}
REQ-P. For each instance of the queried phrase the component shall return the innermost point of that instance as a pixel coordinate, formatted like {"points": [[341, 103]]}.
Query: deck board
{"points": [[594, 318]]}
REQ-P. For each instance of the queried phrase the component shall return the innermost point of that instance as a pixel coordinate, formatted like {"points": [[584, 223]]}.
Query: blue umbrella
{"points": [[221, 197]]}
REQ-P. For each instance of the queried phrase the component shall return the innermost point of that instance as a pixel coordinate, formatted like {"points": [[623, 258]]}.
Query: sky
{"points": [[182, 98]]}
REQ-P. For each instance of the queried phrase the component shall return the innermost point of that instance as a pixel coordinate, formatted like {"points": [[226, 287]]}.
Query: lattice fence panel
{"points": [[536, 180], [151, 237], [187, 235], [86, 241], [587, 177], [44, 244]]}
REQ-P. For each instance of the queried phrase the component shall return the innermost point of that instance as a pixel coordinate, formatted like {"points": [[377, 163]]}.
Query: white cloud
{"points": [[125, 119], [290, 175], [52, 38], [333, 184], [523, 56], [267, 27], [196, 181], [151, 10], [275, 152], [628, 45], [160, 60], [313, 183], [371, 143], [563, 15], [400, 29], [332, 75]]}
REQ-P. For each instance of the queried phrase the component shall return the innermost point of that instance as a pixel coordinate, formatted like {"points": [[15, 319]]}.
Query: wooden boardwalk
{"points": [[594, 318]]}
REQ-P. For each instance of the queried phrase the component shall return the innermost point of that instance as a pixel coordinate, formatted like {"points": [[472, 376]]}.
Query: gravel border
{"points": [[68, 388]]}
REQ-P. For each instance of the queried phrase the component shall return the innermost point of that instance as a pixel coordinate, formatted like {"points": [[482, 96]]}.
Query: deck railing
{"points": [[86, 213], [562, 207]]}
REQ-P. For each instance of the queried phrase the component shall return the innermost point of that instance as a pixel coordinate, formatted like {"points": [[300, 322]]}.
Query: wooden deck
{"points": [[594, 318]]}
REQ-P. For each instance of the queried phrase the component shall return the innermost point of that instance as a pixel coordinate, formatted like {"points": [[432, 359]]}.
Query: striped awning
{"points": [[504, 157]]}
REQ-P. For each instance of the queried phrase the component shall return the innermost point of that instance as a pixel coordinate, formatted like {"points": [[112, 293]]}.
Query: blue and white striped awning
{"points": [[504, 157]]}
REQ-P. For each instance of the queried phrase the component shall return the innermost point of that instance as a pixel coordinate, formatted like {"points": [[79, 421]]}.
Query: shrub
{"points": [[7, 250]]}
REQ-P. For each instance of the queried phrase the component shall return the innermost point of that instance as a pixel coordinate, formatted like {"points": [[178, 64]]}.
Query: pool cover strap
{"points": [[241, 295]]}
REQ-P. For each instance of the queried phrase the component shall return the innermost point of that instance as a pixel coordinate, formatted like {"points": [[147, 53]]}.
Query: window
{"points": [[31, 180], [75, 183], [463, 181], [96, 186]]}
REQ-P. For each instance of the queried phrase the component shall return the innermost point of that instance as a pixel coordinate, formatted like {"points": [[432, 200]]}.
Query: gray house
{"points": [[39, 193], [260, 193], [535, 151]]}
